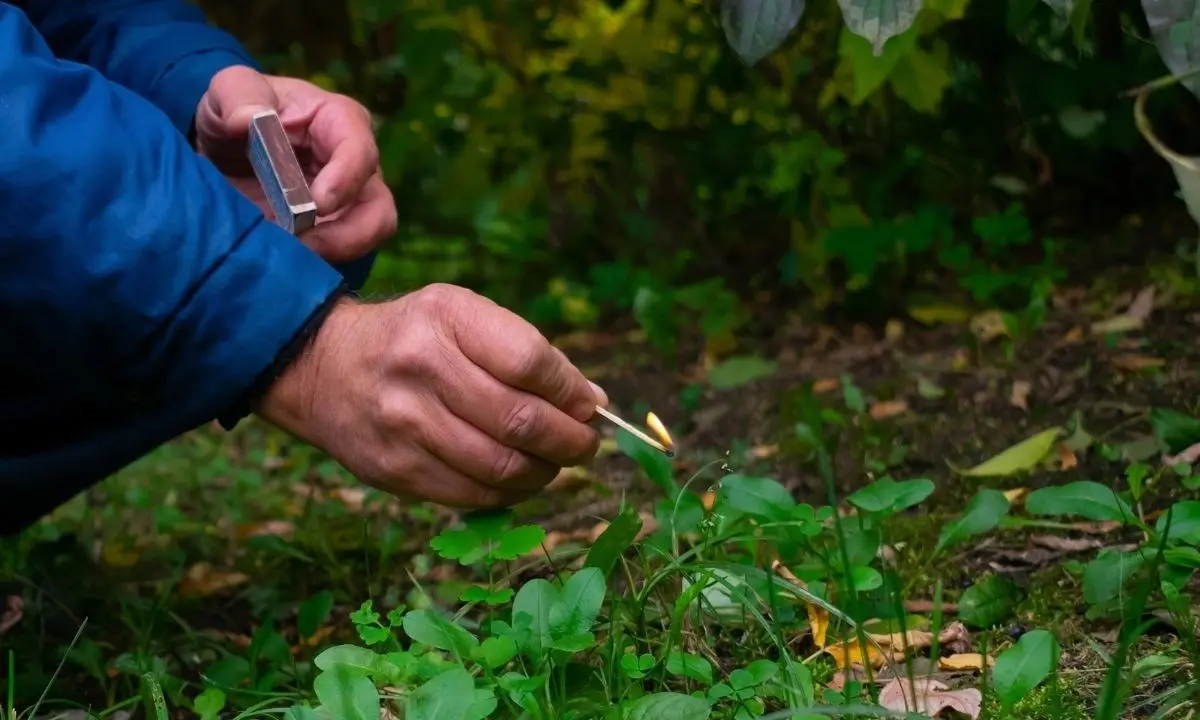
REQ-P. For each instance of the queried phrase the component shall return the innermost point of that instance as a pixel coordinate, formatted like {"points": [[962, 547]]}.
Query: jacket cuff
{"points": [[298, 344]]}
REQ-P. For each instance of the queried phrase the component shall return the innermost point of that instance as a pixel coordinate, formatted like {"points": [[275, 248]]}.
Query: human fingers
{"points": [[516, 354], [343, 144], [521, 423], [480, 456], [430, 479], [357, 230]]}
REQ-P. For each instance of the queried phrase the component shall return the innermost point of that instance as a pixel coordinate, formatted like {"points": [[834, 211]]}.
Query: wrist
{"points": [[293, 400]]}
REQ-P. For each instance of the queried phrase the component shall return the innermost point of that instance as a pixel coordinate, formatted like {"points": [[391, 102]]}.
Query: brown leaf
{"points": [[1134, 362], [14, 608], [708, 499], [278, 528], [1065, 544], [203, 580], [1142, 305], [1016, 496], [965, 661], [1019, 397], [955, 637], [932, 697], [1066, 457], [1073, 336], [825, 385], [888, 409], [1097, 527], [351, 497]]}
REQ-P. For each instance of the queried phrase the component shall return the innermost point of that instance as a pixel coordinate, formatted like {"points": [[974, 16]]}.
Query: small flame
{"points": [[656, 426]]}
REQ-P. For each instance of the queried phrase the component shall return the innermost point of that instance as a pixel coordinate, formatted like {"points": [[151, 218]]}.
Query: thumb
{"points": [[236, 95]]}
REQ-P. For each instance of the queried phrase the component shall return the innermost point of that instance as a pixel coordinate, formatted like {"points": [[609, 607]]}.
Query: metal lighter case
{"points": [[279, 172]]}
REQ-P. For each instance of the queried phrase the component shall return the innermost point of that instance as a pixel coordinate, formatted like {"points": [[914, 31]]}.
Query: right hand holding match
{"points": [[440, 395]]}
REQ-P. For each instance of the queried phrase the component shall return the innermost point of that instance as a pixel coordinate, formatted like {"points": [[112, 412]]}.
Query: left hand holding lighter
{"points": [[332, 139]]}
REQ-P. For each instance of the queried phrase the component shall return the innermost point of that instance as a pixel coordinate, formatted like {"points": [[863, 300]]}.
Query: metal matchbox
{"points": [[278, 171]]}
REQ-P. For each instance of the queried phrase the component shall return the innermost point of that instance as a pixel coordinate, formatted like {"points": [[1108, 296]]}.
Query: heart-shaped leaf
{"points": [[754, 28], [879, 20]]}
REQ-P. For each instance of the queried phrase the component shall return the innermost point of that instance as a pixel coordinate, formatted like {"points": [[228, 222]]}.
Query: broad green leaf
{"points": [[762, 670], [888, 496], [1176, 430], [1023, 456], [429, 628], [758, 496], [579, 603], [866, 578], [1104, 578], [346, 694], [536, 598], [313, 613], [574, 643], [667, 706], [466, 546], [738, 371], [690, 666], [209, 703], [496, 651], [357, 660], [879, 20], [988, 602], [658, 467], [448, 696], [1184, 522], [982, 514], [1024, 666], [301, 712], [229, 671], [754, 28], [519, 541], [614, 541], [921, 78], [1083, 498]]}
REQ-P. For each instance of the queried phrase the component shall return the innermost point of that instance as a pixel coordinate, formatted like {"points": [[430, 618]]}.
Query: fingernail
{"points": [[601, 396]]}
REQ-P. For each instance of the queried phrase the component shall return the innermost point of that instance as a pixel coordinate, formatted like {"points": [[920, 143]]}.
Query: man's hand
{"points": [[441, 395], [334, 143]]}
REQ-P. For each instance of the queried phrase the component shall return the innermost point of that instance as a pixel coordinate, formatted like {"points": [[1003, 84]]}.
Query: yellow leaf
{"points": [[939, 314], [1016, 495], [964, 661], [818, 620], [118, 555], [888, 409], [1023, 456], [989, 324], [202, 580]]}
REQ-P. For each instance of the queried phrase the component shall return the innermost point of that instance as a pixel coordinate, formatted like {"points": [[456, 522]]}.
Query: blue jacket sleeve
{"points": [[163, 50], [130, 269]]}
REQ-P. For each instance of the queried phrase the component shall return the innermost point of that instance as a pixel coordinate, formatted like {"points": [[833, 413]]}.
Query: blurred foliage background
{"points": [[590, 161]]}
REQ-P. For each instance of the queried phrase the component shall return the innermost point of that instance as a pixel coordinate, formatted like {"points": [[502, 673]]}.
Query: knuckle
{"points": [[508, 467], [521, 424], [528, 359]]}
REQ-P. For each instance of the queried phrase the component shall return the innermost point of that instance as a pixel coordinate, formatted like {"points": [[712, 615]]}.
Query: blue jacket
{"points": [[141, 295]]}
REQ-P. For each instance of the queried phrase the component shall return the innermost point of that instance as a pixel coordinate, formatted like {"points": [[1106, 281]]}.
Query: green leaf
{"points": [[755, 28], [988, 602], [1173, 27], [519, 541], [300, 712], [1184, 519], [888, 496], [690, 666], [1023, 456], [429, 628], [579, 604], [346, 694], [879, 20], [465, 546], [1084, 498], [658, 467], [982, 514], [1176, 430], [574, 643], [667, 706], [313, 612], [357, 660], [866, 578], [1104, 578], [1024, 666], [209, 703], [494, 652], [536, 598], [448, 696], [758, 496], [737, 371], [762, 670], [618, 537]]}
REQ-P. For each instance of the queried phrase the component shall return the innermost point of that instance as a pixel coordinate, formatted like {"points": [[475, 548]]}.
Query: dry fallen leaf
{"points": [[1066, 457], [818, 617], [1020, 394], [352, 497], [1142, 305], [1073, 336], [203, 580], [894, 647], [278, 528], [888, 409], [1188, 455], [1016, 495], [1134, 362], [932, 697], [14, 608], [988, 325], [825, 385], [1054, 542], [964, 661], [894, 330]]}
